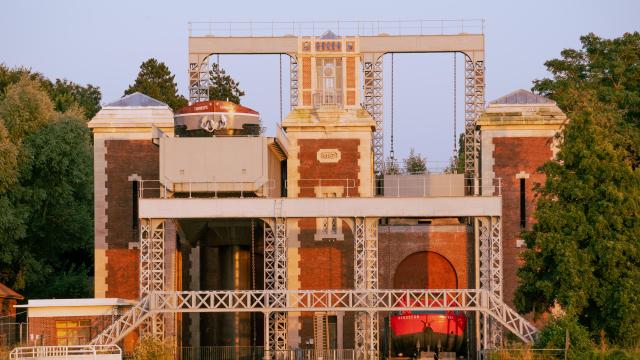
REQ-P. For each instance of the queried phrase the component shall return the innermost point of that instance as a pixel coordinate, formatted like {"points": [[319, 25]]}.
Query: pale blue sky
{"points": [[103, 43]]}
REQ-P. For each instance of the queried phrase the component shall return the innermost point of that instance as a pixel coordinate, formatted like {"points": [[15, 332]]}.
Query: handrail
{"points": [[31, 352], [340, 27], [403, 185]]}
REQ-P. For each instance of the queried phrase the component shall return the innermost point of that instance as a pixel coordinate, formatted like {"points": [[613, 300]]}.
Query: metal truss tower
{"points": [[490, 274], [374, 104], [366, 278], [152, 269], [275, 278], [473, 106]]}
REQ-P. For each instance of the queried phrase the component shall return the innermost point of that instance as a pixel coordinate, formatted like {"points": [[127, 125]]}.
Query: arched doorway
{"points": [[425, 270]]}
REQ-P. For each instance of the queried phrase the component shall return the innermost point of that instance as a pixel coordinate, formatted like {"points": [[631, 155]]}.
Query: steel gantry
{"points": [[366, 278], [373, 102], [319, 300], [490, 274], [474, 87], [275, 278], [152, 270]]}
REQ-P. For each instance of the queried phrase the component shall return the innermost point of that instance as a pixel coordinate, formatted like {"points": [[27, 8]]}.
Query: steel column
{"points": [[491, 278], [152, 268], [198, 79], [275, 278], [473, 105], [366, 278], [293, 82], [373, 102]]}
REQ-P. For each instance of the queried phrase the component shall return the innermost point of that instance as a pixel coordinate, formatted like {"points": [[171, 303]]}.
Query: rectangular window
{"points": [[134, 205], [75, 332], [332, 324], [523, 204]]}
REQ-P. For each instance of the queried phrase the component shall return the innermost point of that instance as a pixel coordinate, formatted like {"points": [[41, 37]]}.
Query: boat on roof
{"points": [[216, 117]]}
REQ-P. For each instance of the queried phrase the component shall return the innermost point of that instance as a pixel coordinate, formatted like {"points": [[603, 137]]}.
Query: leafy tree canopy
{"points": [[156, 80], [46, 201], [64, 94], [584, 251], [24, 108], [223, 86]]}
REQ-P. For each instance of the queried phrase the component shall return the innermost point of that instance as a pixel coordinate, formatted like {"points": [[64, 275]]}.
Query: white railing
{"points": [[151, 189], [408, 186], [67, 352], [343, 28]]}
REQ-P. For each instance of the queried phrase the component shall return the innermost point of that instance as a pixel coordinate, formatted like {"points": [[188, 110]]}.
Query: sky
{"points": [[103, 43]]}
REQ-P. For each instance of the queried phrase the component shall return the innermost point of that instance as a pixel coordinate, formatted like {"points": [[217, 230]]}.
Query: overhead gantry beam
{"points": [[198, 208], [319, 300]]}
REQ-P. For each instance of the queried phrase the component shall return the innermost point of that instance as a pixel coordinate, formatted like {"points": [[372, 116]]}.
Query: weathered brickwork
{"points": [[453, 242], [343, 173], [125, 158], [123, 268], [512, 156]]}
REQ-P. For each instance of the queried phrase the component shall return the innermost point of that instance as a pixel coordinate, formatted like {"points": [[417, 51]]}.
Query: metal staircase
{"points": [[130, 320]]}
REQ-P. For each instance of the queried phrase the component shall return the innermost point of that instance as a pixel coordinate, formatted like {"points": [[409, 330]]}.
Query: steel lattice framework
{"points": [[473, 105], [293, 81], [199, 80], [373, 102], [490, 268], [366, 278], [275, 278], [152, 268], [319, 300]]}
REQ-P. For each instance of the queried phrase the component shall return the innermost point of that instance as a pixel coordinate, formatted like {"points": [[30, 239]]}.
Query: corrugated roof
{"points": [[7, 293], [137, 99], [522, 97]]}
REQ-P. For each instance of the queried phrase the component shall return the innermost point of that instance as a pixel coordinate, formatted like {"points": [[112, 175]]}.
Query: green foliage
{"points": [[415, 163], [155, 80], [456, 163], [584, 250], [554, 336], [25, 108], [64, 94], [223, 87], [150, 348], [46, 203], [8, 161]]}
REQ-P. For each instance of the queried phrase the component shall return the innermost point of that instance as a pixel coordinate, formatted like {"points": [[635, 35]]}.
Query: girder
{"points": [[152, 268], [373, 102], [319, 300], [473, 106]]}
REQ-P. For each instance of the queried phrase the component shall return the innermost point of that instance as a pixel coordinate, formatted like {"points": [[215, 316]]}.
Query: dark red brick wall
{"points": [[511, 156], [311, 169], [125, 158], [123, 269], [396, 243]]}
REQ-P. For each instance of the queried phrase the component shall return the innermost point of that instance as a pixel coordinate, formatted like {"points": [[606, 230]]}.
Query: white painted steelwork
{"points": [[268, 301], [79, 352], [196, 208]]}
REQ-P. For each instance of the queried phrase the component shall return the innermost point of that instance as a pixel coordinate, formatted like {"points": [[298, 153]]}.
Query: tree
{"points": [[46, 183], [456, 162], [155, 80], [25, 108], [223, 87], [415, 163], [57, 179], [66, 94], [584, 251]]}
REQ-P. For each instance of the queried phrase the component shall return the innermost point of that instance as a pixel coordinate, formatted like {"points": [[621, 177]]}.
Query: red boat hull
{"points": [[411, 332]]}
